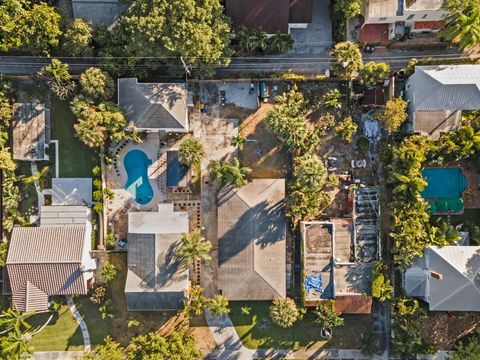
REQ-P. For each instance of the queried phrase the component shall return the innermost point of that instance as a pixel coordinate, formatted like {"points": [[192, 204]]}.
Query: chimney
{"points": [[436, 275]]}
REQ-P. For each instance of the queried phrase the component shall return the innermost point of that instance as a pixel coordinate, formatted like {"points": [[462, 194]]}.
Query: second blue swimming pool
{"points": [[136, 164]]}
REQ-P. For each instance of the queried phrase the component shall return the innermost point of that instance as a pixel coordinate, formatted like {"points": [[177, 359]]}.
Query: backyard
{"points": [[255, 332]]}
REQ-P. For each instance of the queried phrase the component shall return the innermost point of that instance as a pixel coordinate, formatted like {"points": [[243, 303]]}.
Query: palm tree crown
{"points": [[193, 247]]}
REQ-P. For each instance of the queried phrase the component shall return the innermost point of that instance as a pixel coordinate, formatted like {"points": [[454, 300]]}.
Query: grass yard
{"points": [[62, 333], [28, 195], [76, 159], [305, 333], [469, 215]]}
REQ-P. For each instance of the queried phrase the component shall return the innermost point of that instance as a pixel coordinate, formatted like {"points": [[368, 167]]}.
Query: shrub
{"points": [[97, 195], [98, 294], [97, 171], [326, 316], [326, 122], [363, 144], [291, 76], [98, 208], [109, 271], [346, 129], [110, 241], [284, 312]]}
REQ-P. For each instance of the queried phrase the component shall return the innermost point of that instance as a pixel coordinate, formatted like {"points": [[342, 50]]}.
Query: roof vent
{"points": [[436, 275]]}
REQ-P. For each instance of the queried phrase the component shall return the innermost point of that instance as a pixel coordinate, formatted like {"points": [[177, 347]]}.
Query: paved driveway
{"points": [[317, 37]]}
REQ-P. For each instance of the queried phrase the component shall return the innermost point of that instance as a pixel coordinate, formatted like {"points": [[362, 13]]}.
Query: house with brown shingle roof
{"points": [[52, 259]]}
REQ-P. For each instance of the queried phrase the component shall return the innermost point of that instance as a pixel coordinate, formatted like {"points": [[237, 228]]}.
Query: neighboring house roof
{"points": [[154, 106], [418, 5], [70, 191], [62, 215], [459, 286], [433, 123], [44, 261], [99, 12], [155, 279], [381, 8], [271, 15], [444, 87], [251, 241], [31, 131]]}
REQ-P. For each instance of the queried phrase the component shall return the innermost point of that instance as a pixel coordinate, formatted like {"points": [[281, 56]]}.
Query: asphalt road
{"points": [[21, 65]]}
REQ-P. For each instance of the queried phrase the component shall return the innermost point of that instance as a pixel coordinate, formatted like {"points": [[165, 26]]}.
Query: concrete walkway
{"points": [[57, 355], [83, 326]]}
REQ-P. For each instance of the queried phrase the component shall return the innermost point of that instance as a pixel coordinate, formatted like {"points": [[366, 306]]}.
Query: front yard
{"points": [[305, 333]]}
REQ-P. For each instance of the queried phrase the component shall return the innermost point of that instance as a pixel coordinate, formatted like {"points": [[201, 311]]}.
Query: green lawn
{"points": [[76, 159], [469, 215], [27, 192], [62, 333], [305, 333]]}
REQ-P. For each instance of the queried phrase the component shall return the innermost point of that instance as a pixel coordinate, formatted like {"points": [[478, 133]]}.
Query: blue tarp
{"points": [[313, 282]]}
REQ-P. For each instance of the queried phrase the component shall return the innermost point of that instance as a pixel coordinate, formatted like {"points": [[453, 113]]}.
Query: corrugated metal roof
{"points": [[31, 245]]}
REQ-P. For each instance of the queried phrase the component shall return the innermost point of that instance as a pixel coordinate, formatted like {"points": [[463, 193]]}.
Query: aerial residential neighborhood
{"points": [[239, 179]]}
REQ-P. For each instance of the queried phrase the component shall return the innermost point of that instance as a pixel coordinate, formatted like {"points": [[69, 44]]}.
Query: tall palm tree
{"points": [[15, 345], [229, 173], [245, 39], [238, 141], [463, 24], [259, 38], [218, 305], [191, 152], [14, 319], [348, 59], [193, 247]]}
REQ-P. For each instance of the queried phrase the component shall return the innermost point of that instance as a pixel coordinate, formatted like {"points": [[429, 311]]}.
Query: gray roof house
{"points": [[154, 107], [155, 279], [438, 94], [447, 278], [98, 12], [49, 260], [251, 241], [31, 131]]}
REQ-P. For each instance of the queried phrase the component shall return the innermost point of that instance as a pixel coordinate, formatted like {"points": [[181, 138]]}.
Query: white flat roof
{"points": [[165, 221]]}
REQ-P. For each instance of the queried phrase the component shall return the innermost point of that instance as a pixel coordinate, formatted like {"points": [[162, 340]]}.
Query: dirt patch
{"points": [[445, 329], [263, 152], [202, 334]]}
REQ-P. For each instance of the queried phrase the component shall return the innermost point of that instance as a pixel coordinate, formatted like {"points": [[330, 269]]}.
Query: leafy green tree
{"points": [[167, 29], [238, 141], [469, 350], [31, 26], [77, 40], [6, 161], [229, 173], [374, 73], [191, 152], [347, 59], [6, 112], [394, 114], [193, 247], [326, 316], [58, 78], [155, 347], [463, 24], [12, 319], [332, 99], [350, 8], [14, 346], [3, 254], [97, 84], [111, 350], [284, 312], [98, 123], [109, 271], [218, 305], [346, 129]]}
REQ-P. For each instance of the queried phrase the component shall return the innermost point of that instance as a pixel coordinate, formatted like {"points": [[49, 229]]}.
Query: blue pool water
{"points": [[136, 164], [444, 183]]}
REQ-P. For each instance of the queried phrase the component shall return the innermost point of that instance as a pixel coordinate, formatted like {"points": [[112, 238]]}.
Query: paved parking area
{"points": [[239, 95], [317, 37]]}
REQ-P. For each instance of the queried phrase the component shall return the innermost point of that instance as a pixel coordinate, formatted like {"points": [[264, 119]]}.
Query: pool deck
{"points": [[471, 173]]}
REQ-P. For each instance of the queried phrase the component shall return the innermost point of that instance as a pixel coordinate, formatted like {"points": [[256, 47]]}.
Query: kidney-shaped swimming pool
{"points": [[136, 164]]}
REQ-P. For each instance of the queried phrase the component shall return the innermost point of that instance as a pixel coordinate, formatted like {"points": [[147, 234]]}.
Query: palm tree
{"points": [[280, 43], [245, 40], [408, 186], [15, 345], [229, 173], [218, 305], [58, 71], [14, 319], [332, 99], [238, 141], [193, 247], [259, 39], [195, 301], [463, 24], [284, 312], [191, 152], [37, 176], [348, 59], [369, 344]]}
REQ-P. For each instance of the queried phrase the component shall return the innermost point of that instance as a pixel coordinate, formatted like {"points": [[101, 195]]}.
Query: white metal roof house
{"points": [[155, 278], [438, 94], [154, 107], [447, 278], [52, 259]]}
